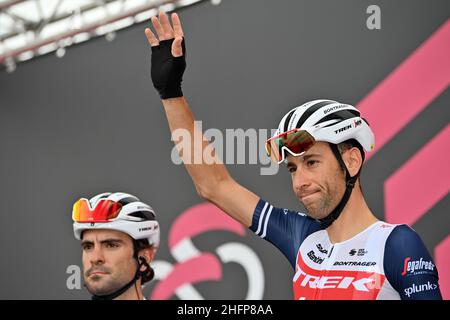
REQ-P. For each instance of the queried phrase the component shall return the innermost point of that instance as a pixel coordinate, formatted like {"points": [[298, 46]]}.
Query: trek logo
{"points": [[359, 252], [342, 129], [321, 249], [357, 123], [335, 282], [420, 288], [314, 258], [417, 266], [146, 228], [316, 283]]}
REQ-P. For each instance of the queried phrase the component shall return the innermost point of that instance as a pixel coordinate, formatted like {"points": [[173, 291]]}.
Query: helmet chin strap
{"points": [[137, 275], [349, 184], [118, 292]]}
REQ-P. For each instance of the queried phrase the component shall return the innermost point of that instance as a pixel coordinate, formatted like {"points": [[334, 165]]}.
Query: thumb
{"points": [[177, 50]]}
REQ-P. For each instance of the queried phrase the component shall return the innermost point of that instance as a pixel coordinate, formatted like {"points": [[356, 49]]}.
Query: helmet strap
{"points": [[349, 184]]}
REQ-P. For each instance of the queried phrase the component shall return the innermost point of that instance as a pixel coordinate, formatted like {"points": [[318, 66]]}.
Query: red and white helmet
{"points": [[116, 211]]}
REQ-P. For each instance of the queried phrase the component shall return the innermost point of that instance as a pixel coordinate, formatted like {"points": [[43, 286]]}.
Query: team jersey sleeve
{"points": [[409, 267], [284, 228]]}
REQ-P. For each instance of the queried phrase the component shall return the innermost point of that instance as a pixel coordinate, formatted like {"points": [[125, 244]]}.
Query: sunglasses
{"points": [[104, 211], [294, 141]]}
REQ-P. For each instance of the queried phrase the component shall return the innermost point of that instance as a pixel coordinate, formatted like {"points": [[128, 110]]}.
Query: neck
{"points": [[133, 293], [355, 218]]}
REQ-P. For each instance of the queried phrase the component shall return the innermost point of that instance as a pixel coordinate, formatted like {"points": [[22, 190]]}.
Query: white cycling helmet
{"points": [[116, 211], [324, 120]]}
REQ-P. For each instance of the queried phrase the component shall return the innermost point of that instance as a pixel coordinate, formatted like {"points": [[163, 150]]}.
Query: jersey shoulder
{"points": [[409, 266], [284, 228]]}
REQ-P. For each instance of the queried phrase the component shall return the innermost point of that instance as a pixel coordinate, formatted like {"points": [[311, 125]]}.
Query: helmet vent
{"points": [[339, 115], [145, 215]]}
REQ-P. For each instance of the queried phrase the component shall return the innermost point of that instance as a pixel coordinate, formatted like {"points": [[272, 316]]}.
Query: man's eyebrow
{"points": [[112, 240], [84, 242], [303, 158], [312, 155], [290, 164]]}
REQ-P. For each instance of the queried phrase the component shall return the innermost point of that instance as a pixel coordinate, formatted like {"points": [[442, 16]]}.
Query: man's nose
{"points": [[301, 179], [97, 256]]}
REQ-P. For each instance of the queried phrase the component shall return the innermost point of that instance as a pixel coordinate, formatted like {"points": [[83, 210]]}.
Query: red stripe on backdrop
{"points": [[198, 269], [420, 183]]}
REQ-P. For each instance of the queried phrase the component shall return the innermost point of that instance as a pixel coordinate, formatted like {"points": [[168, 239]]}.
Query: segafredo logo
{"points": [[417, 266]]}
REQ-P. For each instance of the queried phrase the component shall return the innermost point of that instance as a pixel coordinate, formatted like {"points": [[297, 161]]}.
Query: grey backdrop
{"points": [[92, 122]]}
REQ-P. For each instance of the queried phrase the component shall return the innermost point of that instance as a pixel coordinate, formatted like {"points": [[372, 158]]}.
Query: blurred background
{"points": [[79, 116]]}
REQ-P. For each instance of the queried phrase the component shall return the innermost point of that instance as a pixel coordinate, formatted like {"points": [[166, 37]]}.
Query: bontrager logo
{"points": [[355, 263], [314, 258], [420, 288], [417, 266], [334, 108]]}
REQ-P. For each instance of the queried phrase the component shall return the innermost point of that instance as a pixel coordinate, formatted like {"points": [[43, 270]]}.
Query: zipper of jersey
{"points": [[331, 251]]}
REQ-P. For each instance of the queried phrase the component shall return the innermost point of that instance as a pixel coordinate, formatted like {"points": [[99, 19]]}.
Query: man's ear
{"points": [[353, 160], [147, 254]]}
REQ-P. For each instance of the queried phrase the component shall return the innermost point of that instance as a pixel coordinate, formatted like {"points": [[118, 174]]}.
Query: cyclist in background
{"points": [[119, 237]]}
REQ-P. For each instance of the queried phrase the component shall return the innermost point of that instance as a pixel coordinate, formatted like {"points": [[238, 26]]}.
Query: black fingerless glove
{"points": [[167, 70]]}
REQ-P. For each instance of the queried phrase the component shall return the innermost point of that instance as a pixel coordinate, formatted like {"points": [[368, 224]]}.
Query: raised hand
{"points": [[168, 55]]}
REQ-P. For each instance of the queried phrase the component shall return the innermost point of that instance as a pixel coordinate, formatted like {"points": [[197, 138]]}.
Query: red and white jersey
{"points": [[384, 261], [352, 269]]}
